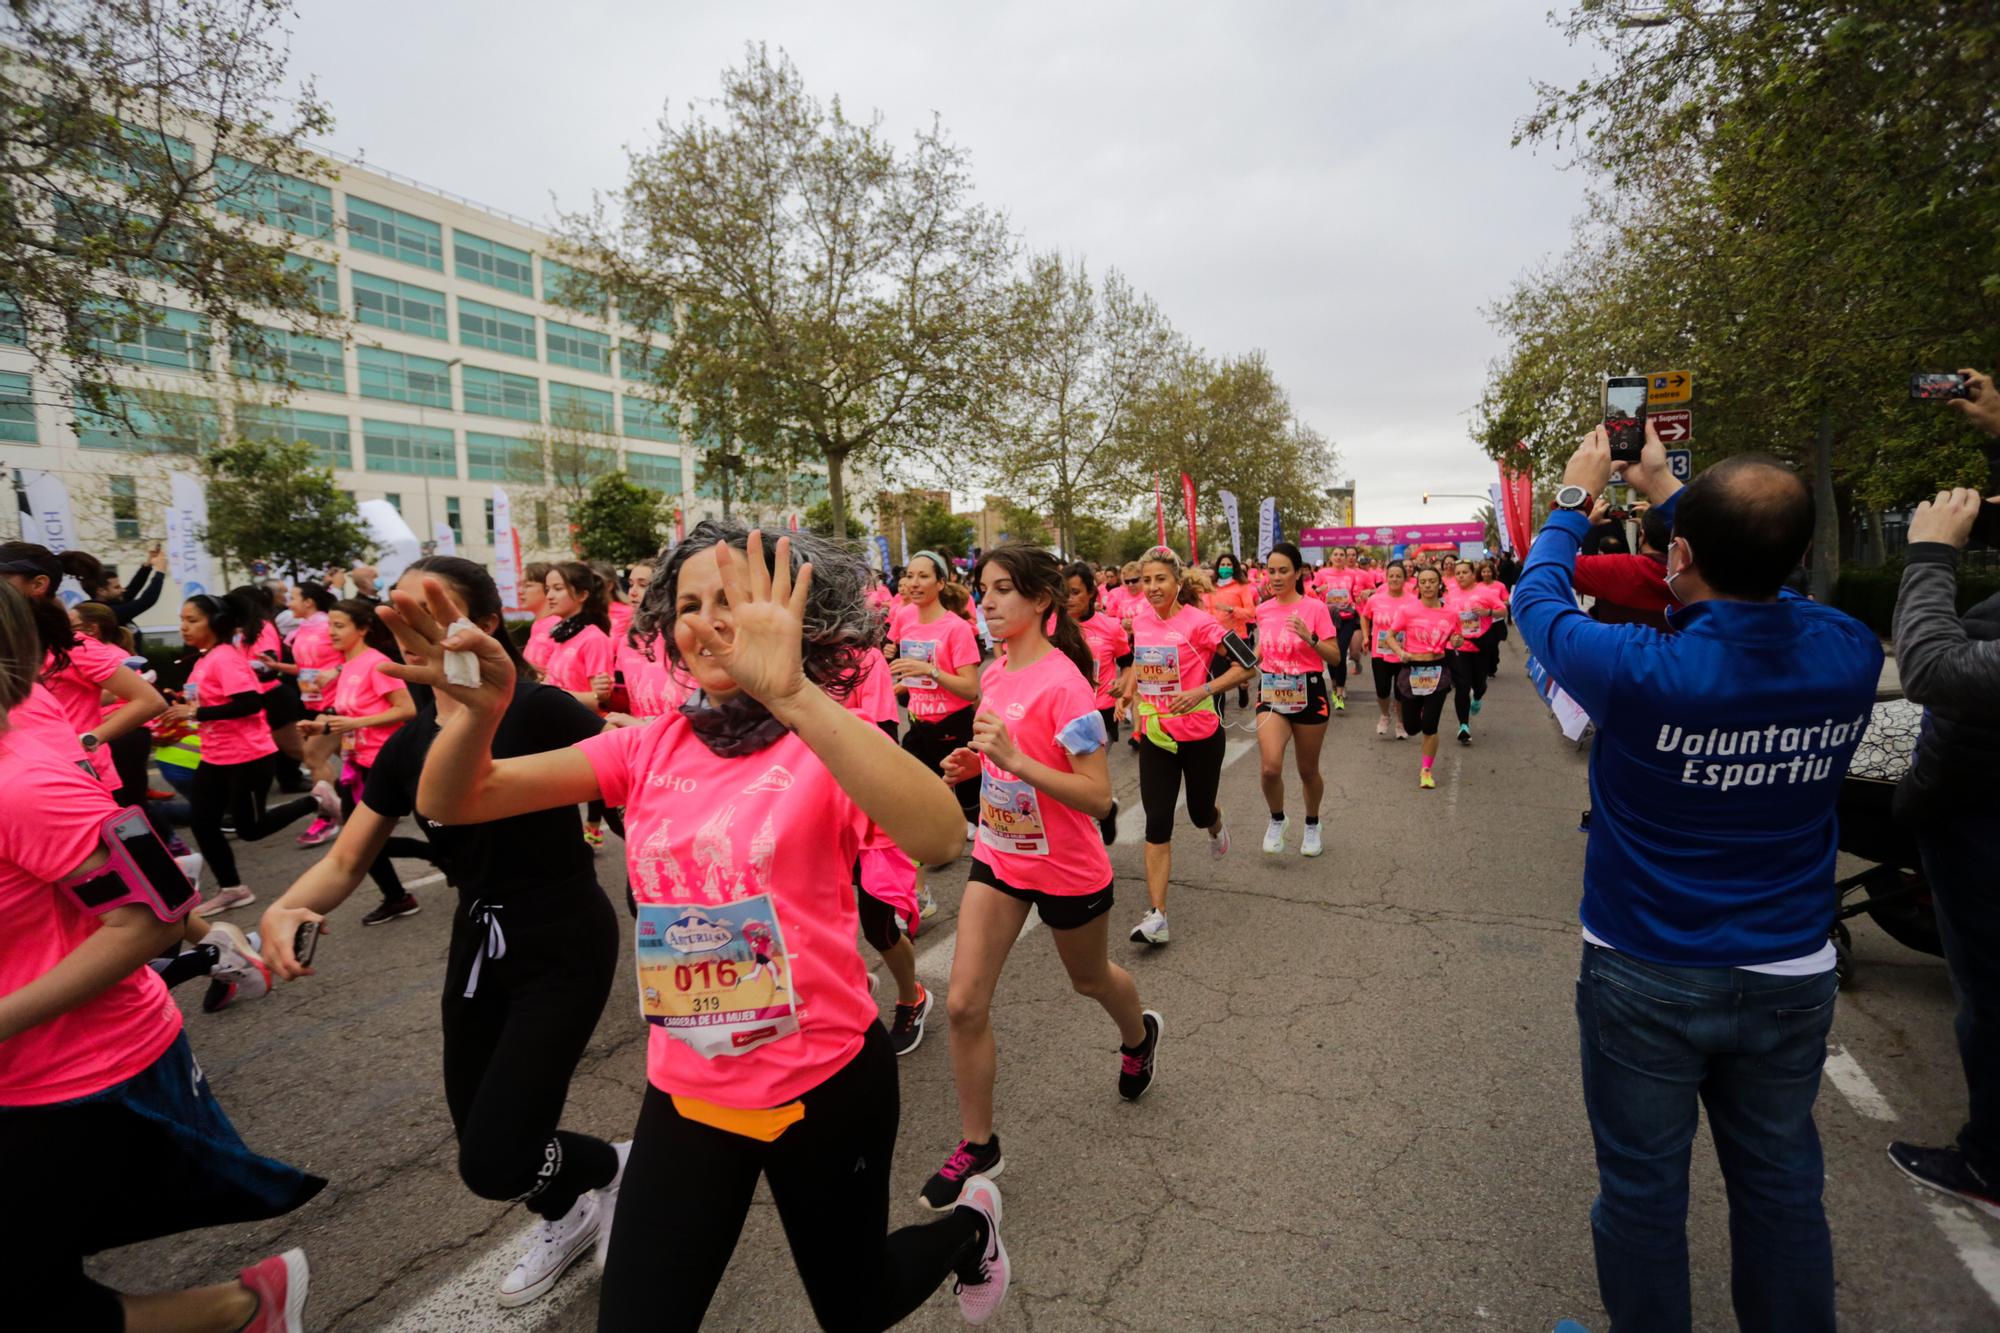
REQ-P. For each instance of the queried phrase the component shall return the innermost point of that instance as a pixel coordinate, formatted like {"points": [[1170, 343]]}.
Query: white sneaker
{"points": [[979, 1299], [552, 1247], [1310, 844], [224, 899], [1382, 726], [607, 1204], [191, 865], [1218, 846], [1274, 836], [328, 800], [239, 962], [1152, 928]]}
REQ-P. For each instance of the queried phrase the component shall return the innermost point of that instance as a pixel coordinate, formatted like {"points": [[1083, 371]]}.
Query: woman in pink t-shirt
{"points": [[238, 755], [1038, 752], [1172, 698], [580, 649], [744, 813], [1110, 650], [315, 665], [1296, 640], [1378, 618], [1474, 604], [1426, 636], [365, 710], [535, 601], [109, 1125], [934, 658]]}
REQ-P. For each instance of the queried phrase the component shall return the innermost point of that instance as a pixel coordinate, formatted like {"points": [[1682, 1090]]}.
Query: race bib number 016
{"points": [[717, 979], [1157, 668], [920, 650], [1010, 816]]}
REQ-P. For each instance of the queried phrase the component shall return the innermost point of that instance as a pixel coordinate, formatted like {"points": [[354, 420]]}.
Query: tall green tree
{"points": [[270, 499], [829, 298], [142, 155], [933, 526], [621, 521]]}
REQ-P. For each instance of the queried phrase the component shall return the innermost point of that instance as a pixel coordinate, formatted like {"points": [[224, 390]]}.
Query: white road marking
{"points": [[468, 1299], [435, 877], [1853, 1081]]}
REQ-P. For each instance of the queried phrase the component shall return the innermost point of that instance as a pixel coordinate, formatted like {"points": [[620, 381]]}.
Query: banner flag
{"points": [[1517, 488], [506, 551], [1500, 519], [1235, 522], [882, 550], [443, 540], [1160, 508], [904, 527], [188, 563], [397, 544], [1187, 502], [1267, 527]]}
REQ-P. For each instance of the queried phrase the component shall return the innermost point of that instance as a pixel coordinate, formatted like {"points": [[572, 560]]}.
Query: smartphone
{"points": [[143, 846], [1625, 416], [1933, 386], [1239, 651], [305, 942]]}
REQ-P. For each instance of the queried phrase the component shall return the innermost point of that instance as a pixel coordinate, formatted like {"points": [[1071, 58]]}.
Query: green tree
{"points": [[271, 499], [621, 521], [138, 148], [819, 518], [829, 297], [932, 526]]}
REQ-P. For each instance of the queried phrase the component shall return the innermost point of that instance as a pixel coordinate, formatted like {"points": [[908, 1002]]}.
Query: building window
{"points": [[578, 347], [639, 362], [495, 393], [571, 289], [395, 499], [125, 508], [167, 423], [477, 259], [394, 233], [322, 279], [325, 432], [392, 446], [17, 409], [482, 325], [389, 304], [578, 408], [273, 198], [659, 471], [13, 328], [309, 362], [541, 523], [648, 420], [402, 378], [453, 519], [177, 341], [490, 530], [501, 458]]}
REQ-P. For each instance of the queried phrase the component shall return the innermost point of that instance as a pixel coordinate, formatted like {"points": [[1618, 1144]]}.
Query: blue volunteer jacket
{"points": [[1720, 750]]}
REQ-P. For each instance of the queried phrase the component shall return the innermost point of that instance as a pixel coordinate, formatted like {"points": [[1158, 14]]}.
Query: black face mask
{"points": [[737, 726]]}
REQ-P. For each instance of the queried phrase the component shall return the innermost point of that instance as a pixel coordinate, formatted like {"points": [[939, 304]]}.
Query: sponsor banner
{"points": [[1187, 503], [1391, 534], [1267, 527], [188, 562], [443, 540], [506, 551], [1235, 521], [397, 544]]}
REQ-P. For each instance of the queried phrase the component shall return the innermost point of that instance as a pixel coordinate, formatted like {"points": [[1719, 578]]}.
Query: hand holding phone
{"points": [[1939, 386], [1625, 416]]}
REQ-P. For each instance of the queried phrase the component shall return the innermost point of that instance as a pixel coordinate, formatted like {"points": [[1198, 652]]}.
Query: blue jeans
{"points": [[1958, 862], [1658, 1044]]}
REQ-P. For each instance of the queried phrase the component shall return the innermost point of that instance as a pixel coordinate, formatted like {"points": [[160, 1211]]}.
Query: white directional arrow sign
{"points": [[1673, 427]]}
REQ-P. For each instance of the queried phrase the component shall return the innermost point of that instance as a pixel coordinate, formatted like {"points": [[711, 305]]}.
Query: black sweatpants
{"points": [[1468, 682], [1160, 775], [237, 790], [688, 1188], [1343, 628], [512, 1045], [932, 741]]}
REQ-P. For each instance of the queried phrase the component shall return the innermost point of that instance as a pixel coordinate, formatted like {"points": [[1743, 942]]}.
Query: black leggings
{"points": [[1160, 783], [878, 920], [688, 1187], [511, 1047], [1421, 714], [1343, 629], [237, 790], [1489, 656], [1468, 682], [1385, 677], [932, 741]]}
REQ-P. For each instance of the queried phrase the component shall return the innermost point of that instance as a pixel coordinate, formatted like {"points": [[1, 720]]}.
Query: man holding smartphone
{"points": [[1707, 972]]}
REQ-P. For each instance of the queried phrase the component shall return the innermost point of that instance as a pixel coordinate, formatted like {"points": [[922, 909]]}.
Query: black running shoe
{"points": [[941, 1191], [403, 906], [1136, 1068], [907, 1032], [1946, 1171]]}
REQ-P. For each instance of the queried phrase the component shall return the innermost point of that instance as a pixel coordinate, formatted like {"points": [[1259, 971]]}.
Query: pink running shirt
{"points": [[576, 659], [79, 687], [874, 698], [705, 832], [1474, 609], [40, 719], [362, 691], [539, 644], [948, 641], [621, 620], [1171, 657], [267, 642], [1032, 840], [114, 1034], [1382, 609], [651, 686], [1279, 648], [222, 673], [1108, 642], [1426, 629], [314, 652]]}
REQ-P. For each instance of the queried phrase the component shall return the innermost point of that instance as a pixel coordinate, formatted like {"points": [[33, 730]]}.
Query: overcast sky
{"points": [[1329, 182]]}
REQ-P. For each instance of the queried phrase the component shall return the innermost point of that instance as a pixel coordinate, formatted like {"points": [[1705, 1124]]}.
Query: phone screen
{"points": [[150, 855], [1624, 399]]}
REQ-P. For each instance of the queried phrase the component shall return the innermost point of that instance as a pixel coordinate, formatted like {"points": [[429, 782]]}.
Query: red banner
{"points": [[1517, 492], [1160, 508], [680, 524], [1187, 501]]}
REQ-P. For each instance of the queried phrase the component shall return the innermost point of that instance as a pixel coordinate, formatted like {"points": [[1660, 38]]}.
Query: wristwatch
{"points": [[1573, 497], [90, 740]]}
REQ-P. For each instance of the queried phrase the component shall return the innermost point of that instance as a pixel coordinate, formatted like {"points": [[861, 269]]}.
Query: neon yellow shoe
{"points": [[1426, 781]]}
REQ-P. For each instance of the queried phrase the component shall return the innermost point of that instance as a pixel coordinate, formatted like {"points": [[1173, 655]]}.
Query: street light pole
{"points": [[427, 537]]}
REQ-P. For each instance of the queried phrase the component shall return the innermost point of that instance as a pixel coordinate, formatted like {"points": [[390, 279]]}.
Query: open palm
{"points": [[763, 652], [423, 631]]}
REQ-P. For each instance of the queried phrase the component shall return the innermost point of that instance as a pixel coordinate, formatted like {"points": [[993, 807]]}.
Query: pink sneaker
{"points": [[224, 899], [318, 832], [279, 1283], [980, 1296]]}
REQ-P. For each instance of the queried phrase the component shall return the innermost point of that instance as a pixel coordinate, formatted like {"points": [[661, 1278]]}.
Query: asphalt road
{"points": [[1367, 1114]]}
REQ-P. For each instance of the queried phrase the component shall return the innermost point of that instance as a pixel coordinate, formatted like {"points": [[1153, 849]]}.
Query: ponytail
{"points": [[1036, 573]]}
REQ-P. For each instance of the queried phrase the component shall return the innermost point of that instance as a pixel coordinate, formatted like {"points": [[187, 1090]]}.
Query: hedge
{"points": [[1869, 594]]}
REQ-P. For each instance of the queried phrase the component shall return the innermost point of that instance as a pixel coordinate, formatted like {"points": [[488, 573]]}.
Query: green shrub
{"points": [[1869, 594]]}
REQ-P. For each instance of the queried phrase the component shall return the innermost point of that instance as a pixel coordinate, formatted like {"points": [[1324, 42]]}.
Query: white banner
{"points": [[47, 520], [1267, 527], [188, 562], [396, 545], [1235, 524], [506, 551], [1499, 521], [443, 540]]}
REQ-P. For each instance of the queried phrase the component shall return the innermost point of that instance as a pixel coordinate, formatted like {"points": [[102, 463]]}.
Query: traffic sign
{"points": [[1680, 462], [1675, 427], [1669, 386]]}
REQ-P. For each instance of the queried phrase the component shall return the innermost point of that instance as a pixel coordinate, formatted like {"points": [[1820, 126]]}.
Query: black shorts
{"points": [[1059, 911], [1317, 708]]}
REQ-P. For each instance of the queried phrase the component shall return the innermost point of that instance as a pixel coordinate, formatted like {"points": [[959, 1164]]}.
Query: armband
{"points": [[1239, 651], [140, 870]]}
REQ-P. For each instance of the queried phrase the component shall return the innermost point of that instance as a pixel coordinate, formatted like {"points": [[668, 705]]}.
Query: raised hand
{"points": [[764, 649], [422, 631]]}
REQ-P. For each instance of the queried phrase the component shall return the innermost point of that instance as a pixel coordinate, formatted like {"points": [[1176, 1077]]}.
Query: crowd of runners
{"points": [[723, 710]]}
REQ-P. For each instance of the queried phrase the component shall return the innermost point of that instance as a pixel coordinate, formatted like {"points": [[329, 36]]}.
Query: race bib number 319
{"points": [[718, 979]]}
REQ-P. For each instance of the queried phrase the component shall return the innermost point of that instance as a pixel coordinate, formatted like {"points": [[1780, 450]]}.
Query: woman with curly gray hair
{"points": [[744, 812]]}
